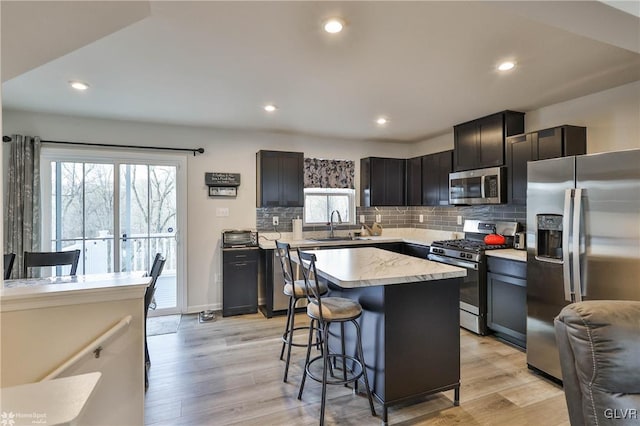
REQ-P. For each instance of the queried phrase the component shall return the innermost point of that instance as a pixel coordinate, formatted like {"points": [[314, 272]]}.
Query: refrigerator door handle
{"points": [[577, 210], [566, 227]]}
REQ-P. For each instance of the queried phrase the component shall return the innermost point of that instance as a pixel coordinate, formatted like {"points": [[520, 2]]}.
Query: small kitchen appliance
{"points": [[520, 241], [239, 238]]}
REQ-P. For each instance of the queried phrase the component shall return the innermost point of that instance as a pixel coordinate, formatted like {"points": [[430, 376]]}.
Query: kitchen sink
{"points": [[332, 239]]}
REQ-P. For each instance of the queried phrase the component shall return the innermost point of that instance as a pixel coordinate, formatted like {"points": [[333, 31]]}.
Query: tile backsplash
{"points": [[442, 218]]}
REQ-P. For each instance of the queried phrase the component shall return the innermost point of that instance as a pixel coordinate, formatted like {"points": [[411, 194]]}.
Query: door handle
{"points": [[577, 278], [566, 227]]}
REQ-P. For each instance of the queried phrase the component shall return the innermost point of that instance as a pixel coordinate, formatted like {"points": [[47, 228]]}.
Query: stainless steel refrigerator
{"points": [[583, 239]]}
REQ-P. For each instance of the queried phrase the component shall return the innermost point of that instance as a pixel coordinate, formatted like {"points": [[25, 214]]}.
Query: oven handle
{"points": [[451, 261]]}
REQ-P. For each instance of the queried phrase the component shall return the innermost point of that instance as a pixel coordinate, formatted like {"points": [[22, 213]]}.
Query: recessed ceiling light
{"points": [[270, 108], [78, 85], [506, 66], [333, 25], [382, 121]]}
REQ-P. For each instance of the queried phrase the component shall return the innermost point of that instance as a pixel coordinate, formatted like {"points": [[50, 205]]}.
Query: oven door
{"points": [[472, 296]]}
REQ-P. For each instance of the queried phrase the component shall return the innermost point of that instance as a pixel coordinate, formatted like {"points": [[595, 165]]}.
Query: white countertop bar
{"points": [[369, 266], [56, 291]]}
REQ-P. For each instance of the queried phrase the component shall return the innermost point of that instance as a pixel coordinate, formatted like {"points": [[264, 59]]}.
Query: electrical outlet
{"points": [[276, 221], [361, 218], [459, 220], [222, 212], [378, 218], [421, 218]]}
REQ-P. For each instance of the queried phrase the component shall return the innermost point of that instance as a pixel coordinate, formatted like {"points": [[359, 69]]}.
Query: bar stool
{"points": [[295, 290], [324, 311]]}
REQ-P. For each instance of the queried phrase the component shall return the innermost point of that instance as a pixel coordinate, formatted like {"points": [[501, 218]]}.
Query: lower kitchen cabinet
{"points": [[507, 299], [415, 250], [239, 281]]}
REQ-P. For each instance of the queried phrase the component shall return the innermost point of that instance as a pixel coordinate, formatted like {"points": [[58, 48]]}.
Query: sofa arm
{"points": [[599, 346]]}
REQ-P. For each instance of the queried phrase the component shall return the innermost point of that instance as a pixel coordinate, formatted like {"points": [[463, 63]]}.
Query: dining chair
{"points": [[40, 259], [156, 270], [9, 258]]}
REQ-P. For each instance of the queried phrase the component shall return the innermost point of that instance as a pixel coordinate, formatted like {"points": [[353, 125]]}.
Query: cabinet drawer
{"points": [[240, 255], [502, 266]]}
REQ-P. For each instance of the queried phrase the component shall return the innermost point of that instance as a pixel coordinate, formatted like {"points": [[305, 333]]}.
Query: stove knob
{"points": [[469, 256], [462, 255]]}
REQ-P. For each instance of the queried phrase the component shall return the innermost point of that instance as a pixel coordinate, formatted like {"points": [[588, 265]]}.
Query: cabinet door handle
{"points": [[241, 255], [241, 264]]}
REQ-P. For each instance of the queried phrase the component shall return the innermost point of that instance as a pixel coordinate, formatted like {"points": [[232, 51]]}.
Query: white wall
{"points": [[612, 119], [225, 151]]}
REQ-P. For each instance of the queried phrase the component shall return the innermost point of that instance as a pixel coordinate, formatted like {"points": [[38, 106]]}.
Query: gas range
{"points": [[469, 253], [465, 248], [472, 246]]}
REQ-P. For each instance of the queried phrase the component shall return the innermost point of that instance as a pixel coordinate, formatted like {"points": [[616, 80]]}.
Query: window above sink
{"points": [[320, 202]]}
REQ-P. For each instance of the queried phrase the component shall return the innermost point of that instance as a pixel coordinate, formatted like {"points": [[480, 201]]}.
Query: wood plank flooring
{"points": [[228, 372]]}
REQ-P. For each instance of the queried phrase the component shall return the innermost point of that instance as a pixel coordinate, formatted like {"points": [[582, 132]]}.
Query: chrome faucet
{"points": [[331, 222]]}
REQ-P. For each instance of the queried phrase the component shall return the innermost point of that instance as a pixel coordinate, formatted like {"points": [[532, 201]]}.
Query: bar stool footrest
{"points": [[351, 375], [285, 337]]}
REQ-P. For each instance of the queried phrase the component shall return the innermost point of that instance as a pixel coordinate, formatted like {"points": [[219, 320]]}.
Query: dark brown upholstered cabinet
{"points": [[279, 179], [382, 181], [561, 141], [435, 178], [239, 281], [480, 143]]}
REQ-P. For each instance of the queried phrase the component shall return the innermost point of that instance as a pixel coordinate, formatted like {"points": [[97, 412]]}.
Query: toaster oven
{"points": [[239, 238]]}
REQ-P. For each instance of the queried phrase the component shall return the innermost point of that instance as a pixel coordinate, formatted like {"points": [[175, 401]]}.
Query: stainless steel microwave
{"points": [[481, 186]]}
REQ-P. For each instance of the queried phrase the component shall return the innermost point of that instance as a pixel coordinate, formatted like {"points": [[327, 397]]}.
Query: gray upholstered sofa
{"points": [[599, 344]]}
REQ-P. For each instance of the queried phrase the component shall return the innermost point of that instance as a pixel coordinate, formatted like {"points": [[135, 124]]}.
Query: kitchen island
{"points": [[410, 320]]}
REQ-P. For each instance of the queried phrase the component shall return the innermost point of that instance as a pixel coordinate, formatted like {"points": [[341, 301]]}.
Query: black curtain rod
{"points": [[194, 150]]}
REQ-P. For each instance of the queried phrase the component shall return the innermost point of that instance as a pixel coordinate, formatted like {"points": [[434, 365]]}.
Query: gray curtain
{"points": [[23, 201], [320, 173]]}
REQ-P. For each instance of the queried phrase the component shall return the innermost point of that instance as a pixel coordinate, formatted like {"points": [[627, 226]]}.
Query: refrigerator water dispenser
{"points": [[549, 236]]}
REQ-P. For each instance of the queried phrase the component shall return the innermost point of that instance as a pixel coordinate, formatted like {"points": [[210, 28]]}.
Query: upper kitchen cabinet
{"points": [[435, 178], [382, 181], [556, 142], [480, 143], [414, 181], [279, 179]]}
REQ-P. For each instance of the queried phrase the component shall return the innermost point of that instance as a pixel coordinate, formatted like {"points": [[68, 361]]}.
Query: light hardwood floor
{"points": [[228, 372]]}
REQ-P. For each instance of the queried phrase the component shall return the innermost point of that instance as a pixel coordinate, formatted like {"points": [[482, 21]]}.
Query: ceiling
{"points": [[424, 65]]}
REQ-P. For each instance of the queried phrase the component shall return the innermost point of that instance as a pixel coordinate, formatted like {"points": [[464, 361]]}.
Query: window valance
{"points": [[320, 173]]}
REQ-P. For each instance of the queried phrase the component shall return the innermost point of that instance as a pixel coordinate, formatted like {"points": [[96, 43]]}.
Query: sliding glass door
{"points": [[119, 211]]}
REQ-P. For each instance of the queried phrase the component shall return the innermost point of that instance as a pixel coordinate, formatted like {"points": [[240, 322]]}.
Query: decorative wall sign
{"points": [[222, 179], [223, 191]]}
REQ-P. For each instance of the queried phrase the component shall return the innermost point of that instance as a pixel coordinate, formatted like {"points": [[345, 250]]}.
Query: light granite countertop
{"points": [[57, 291], [393, 235], [512, 254], [369, 266]]}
